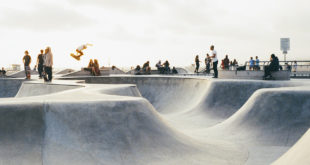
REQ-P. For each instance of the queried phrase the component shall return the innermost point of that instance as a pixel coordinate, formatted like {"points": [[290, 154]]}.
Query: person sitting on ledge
{"points": [[96, 68], [90, 67], [2, 72], [273, 66], [174, 70], [146, 68], [138, 70], [166, 67], [159, 67]]}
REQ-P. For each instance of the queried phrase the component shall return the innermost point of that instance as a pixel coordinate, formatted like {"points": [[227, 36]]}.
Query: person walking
{"points": [[27, 61], [40, 62], [214, 61], [48, 65]]}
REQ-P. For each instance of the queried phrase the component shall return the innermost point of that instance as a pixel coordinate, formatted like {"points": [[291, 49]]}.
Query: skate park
{"points": [[155, 119]]}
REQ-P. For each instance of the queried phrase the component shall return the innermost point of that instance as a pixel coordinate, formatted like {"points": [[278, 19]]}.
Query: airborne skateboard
{"points": [[75, 56]]}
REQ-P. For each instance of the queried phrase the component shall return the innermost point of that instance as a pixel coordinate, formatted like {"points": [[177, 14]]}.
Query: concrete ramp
{"points": [[83, 73], [65, 71], [128, 132], [298, 154], [21, 132], [9, 87], [99, 128], [121, 90], [137, 120], [21, 74], [271, 117], [224, 98], [37, 89]]}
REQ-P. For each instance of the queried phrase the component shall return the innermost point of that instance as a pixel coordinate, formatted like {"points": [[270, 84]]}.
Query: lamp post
{"points": [[285, 46]]}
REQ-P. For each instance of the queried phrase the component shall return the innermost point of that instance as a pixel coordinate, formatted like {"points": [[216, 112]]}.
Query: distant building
{"points": [[15, 67]]}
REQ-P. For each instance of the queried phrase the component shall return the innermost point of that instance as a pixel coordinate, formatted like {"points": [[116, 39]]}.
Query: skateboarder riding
{"points": [[79, 51]]}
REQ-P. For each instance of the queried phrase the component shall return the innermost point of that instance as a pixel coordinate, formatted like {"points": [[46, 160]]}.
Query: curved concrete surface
{"points": [[154, 120], [65, 71], [298, 154], [21, 74], [36, 89], [10, 87]]}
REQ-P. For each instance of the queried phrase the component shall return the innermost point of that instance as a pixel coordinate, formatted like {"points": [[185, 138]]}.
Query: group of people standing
{"points": [[229, 65], [254, 64], [44, 64], [208, 61]]}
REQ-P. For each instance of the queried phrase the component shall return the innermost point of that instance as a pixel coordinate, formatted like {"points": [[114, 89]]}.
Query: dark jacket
{"points": [[274, 65]]}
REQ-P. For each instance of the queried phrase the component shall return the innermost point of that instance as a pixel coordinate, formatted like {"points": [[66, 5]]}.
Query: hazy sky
{"points": [[129, 32]]}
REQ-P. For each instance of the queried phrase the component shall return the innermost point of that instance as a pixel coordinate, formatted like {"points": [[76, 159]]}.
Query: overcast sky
{"points": [[130, 32]]}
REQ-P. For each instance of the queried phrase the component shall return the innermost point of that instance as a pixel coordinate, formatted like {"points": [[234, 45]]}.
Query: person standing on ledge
{"points": [[197, 61], [214, 60], [48, 64], [27, 61], [208, 62], [39, 64], [256, 63]]}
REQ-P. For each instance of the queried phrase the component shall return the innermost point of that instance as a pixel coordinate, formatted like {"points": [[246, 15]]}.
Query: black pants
{"points": [[215, 69], [208, 68], [48, 72], [40, 70], [197, 68]]}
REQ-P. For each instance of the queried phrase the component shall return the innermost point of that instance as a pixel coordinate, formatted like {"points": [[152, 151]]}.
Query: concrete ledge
{"points": [[253, 75]]}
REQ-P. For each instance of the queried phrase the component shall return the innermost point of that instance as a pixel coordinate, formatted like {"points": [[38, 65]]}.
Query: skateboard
{"points": [[75, 56], [28, 73]]}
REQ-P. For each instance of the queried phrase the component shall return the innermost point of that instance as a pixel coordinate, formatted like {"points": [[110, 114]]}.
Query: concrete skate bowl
{"points": [[98, 124], [194, 105], [106, 121]]}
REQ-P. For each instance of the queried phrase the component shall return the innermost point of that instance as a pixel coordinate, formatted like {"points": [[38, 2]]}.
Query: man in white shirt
{"points": [[79, 51], [214, 60], [48, 64]]}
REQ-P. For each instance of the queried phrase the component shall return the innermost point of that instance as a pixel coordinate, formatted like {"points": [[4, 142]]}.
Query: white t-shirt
{"points": [[81, 47], [214, 59]]}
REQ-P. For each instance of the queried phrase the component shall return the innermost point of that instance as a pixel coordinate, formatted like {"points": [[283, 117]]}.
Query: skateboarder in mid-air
{"points": [[79, 51]]}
